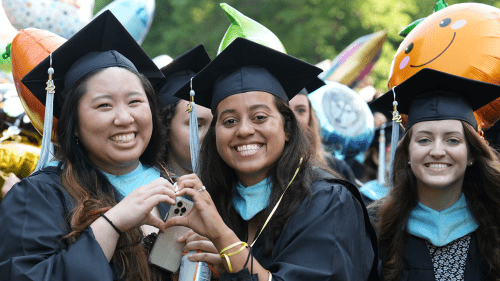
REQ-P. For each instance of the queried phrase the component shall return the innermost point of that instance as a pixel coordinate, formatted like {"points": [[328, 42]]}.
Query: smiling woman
{"points": [[84, 216], [440, 219], [261, 221]]}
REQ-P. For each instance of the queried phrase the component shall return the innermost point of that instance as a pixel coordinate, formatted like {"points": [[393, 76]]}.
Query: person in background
{"points": [[173, 110], [440, 220], [82, 217], [375, 188], [305, 114]]}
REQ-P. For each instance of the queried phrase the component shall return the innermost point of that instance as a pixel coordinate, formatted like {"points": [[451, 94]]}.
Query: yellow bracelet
{"points": [[226, 256], [232, 246]]}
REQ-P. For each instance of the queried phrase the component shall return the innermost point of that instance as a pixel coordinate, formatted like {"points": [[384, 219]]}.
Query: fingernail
{"points": [[191, 258], [176, 188]]}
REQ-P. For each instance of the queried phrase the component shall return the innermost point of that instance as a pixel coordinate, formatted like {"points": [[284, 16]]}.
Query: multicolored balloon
{"points": [[462, 39], [245, 27], [135, 15], [346, 121], [357, 60], [62, 17], [30, 47]]}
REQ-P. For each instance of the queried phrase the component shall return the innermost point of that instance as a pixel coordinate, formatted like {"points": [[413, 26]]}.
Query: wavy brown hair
{"points": [[167, 113], [89, 189], [219, 178], [480, 187]]}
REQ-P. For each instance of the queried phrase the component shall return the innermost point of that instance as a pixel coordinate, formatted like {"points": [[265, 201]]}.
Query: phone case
{"points": [[167, 252]]}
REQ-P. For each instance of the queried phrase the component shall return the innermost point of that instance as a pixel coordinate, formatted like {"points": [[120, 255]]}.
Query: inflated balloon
{"points": [[346, 121], [245, 27], [462, 39], [135, 15], [18, 158], [29, 48], [62, 17], [162, 60], [357, 60]]}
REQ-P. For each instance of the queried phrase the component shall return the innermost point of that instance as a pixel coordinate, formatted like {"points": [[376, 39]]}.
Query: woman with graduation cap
{"points": [[255, 157], [80, 218], [173, 111], [440, 220]]}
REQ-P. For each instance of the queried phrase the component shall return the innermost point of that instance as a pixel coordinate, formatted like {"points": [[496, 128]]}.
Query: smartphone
{"points": [[167, 252]]}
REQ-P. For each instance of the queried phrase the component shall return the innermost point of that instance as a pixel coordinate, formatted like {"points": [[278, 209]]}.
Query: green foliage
{"points": [[312, 30]]}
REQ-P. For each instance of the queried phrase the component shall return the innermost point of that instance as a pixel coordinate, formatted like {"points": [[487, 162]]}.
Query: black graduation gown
{"points": [[417, 262], [341, 167], [328, 239], [34, 217]]}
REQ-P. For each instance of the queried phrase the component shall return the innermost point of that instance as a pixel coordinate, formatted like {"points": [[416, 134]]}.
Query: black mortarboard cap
{"points": [[433, 95], [246, 66], [181, 70], [104, 42], [313, 86]]}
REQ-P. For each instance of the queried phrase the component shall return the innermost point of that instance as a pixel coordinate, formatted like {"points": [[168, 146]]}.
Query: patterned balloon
{"points": [[245, 27], [462, 39], [346, 121], [135, 15], [62, 17], [29, 48]]}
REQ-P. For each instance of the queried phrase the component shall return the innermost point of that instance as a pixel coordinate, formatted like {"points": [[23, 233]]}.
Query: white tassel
{"points": [[194, 139], [381, 156], [47, 149]]}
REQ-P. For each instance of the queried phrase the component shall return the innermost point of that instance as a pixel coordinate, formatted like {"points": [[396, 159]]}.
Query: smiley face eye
{"points": [[409, 48], [445, 22]]}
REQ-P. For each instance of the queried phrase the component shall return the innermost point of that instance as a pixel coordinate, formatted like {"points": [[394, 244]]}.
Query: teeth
{"points": [[248, 150], [123, 138], [247, 147], [438, 166]]}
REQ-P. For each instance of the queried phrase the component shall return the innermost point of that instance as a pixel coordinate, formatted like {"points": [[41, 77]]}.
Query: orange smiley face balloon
{"points": [[462, 39]]}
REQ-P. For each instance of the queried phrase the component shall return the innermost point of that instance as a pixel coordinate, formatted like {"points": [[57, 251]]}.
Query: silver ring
{"points": [[203, 188]]}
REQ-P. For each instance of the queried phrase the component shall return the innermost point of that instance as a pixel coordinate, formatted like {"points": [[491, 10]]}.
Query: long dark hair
{"points": [[89, 188], [219, 178], [480, 187]]}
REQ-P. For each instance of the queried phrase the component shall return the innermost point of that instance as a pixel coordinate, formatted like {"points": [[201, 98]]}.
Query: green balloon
{"points": [[410, 27], [5, 62], [245, 27], [440, 4]]}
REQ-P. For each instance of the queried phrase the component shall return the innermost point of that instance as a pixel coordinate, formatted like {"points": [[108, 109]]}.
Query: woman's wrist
{"points": [[224, 239]]}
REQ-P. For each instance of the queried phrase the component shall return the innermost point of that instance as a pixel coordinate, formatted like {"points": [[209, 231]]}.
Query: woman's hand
{"points": [[203, 217], [135, 209], [195, 242]]}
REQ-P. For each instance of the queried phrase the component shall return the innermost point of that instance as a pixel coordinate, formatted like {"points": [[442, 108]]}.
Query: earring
{"points": [[409, 163], [77, 140], [470, 164]]}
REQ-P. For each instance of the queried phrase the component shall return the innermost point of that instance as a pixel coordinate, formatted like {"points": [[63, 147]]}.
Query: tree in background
{"points": [[312, 30]]}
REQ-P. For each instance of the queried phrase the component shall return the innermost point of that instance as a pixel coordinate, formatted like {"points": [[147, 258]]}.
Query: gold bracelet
{"points": [[232, 246], [270, 276], [226, 256]]}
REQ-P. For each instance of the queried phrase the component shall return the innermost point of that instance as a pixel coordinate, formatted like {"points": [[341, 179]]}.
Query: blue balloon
{"points": [[135, 15], [346, 121]]}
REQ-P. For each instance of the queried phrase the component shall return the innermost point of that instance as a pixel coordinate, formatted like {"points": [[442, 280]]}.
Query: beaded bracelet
{"points": [[114, 226]]}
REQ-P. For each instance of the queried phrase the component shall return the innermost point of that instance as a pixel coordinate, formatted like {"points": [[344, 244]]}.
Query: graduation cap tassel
{"points": [[381, 156], [47, 150], [194, 140], [396, 118]]}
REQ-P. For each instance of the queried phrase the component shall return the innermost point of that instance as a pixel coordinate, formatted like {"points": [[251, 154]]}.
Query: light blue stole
{"points": [[126, 183], [249, 201], [441, 228]]}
